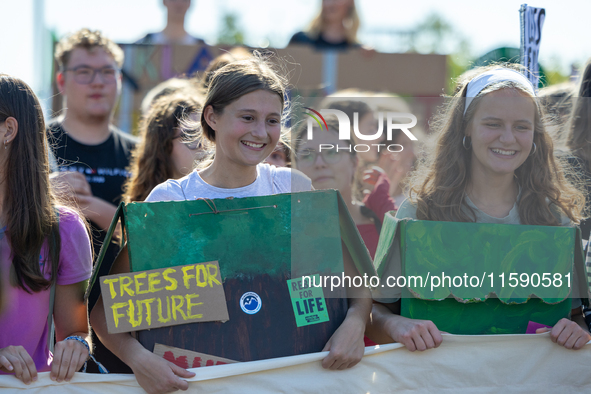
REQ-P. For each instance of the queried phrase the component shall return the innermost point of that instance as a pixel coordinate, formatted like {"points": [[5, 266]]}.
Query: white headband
{"points": [[478, 84]]}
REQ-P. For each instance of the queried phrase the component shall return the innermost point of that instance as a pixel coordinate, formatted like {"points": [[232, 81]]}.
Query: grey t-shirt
{"points": [[270, 180], [408, 210]]}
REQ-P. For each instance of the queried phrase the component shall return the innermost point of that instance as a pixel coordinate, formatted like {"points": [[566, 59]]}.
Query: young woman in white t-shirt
{"points": [[242, 117]]}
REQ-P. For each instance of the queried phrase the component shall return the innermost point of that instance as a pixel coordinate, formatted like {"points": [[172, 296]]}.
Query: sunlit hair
{"points": [[86, 39], [351, 25], [166, 88], [222, 60], [578, 127], [557, 101], [438, 187], [151, 162], [29, 204]]}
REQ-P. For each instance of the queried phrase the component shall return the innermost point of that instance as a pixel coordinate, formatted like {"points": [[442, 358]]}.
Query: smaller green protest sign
{"points": [[308, 302]]}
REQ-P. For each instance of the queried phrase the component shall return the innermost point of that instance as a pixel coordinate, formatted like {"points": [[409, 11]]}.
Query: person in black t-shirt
{"points": [[335, 27], [92, 155]]}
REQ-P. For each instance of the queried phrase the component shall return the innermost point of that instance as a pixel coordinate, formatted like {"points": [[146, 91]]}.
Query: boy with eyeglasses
{"points": [[92, 154]]}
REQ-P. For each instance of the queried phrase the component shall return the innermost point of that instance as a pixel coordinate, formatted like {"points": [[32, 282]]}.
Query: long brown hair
{"points": [[29, 205], [151, 163], [439, 185], [579, 125]]}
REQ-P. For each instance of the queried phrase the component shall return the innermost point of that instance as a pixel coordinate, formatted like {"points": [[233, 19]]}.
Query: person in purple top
{"points": [[45, 251]]}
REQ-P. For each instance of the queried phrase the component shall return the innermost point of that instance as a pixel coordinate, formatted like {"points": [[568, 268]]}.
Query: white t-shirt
{"points": [[270, 180]]}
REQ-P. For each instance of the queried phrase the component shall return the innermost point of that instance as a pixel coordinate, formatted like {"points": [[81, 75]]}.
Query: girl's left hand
{"points": [[567, 333], [68, 357], [346, 345]]}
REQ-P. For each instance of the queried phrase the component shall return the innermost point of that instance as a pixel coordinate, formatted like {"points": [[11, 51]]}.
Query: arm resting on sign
{"points": [[70, 320], [346, 345], [386, 326], [153, 373]]}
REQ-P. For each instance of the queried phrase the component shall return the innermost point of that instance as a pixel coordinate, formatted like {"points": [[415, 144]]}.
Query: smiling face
{"points": [[97, 98], [502, 132], [247, 130], [327, 169]]}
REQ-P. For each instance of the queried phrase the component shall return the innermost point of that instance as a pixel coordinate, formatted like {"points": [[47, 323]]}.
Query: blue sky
{"points": [[487, 24]]}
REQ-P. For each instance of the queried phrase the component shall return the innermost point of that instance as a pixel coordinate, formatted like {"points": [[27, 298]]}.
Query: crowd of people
{"points": [[223, 134]]}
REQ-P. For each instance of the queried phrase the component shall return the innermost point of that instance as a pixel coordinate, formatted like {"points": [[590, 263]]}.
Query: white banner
{"points": [[462, 364], [532, 21]]}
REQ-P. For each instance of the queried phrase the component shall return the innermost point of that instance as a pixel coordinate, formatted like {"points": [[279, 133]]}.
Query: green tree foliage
{"points": [[230, 33]]}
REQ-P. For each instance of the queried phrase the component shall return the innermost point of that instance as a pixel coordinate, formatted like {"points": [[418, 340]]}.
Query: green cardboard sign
{"points": [[482, 278], [309, 305], [260, 243]]}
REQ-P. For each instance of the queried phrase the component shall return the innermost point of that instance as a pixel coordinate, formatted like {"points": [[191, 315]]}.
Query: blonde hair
{"points": [[438, 187], [87, 39], [351, 25]]}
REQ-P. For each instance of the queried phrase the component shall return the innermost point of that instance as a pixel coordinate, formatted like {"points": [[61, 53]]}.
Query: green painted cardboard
{"points": [[260, 243], [490, 253]]}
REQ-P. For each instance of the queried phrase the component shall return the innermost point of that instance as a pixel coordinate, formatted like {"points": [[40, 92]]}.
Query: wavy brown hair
{"points": [[151, 163], [29, 206], [86, 39], [579, 125], [438, 187]]}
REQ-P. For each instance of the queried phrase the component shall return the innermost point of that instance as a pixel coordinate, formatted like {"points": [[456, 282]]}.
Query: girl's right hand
{"points": [[16, 359], [157, 375], [414, 334]]}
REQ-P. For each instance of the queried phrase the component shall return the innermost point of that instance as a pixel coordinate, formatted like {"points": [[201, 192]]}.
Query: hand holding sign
{"points": [[346, 345], [157, 375]]}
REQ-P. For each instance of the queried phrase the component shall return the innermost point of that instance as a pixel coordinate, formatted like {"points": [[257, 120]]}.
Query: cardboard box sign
{"points": [[163, 297], [148, 65], [481, 278], [260, 243]]}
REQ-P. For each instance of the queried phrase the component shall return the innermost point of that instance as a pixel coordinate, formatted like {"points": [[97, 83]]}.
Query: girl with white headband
{"points": [[492, 163]]}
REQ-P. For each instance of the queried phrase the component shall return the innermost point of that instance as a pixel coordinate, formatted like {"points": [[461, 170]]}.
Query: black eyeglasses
{"points": [[85, 75]]}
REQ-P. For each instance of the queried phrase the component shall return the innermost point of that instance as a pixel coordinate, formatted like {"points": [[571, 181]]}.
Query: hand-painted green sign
{"points": [[309, 306], [480, 278], [260, 243]]}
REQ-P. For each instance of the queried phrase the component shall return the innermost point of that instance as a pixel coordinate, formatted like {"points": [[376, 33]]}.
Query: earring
{"points": [[534, 151], [5, 144], [464, 143]]}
